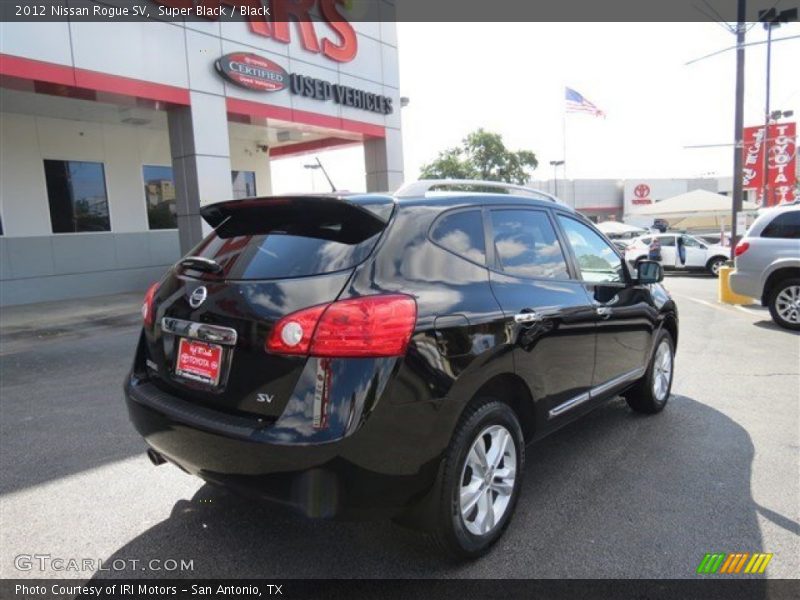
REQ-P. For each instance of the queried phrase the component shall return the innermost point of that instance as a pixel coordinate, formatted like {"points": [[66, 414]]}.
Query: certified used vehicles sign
{"points": [[260, 74], [252, 71]]}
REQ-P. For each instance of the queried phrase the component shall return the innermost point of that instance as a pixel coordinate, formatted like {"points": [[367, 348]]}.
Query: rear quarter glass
{"points": [[785, 225]]}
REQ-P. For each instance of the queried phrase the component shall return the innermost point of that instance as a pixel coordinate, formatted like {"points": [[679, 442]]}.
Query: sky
{"points": [[509, 78]]}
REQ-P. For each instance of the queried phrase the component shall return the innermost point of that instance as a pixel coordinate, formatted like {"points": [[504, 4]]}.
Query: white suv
{"points": [[768, 264], [699, 255]]}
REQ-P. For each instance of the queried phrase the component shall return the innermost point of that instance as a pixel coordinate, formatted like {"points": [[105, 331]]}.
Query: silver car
{"points": [[767, 263]]}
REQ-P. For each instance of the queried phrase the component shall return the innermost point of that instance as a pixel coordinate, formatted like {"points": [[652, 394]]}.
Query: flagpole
{"points": [[564, 139]]}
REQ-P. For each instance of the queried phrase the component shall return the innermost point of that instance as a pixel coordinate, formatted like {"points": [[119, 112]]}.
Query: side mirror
{"points": [[650, 271]]}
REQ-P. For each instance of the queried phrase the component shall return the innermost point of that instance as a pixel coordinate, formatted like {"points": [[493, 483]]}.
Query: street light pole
{"points": [[738, 119], [555, 164], [324, 172], [555, 181]]}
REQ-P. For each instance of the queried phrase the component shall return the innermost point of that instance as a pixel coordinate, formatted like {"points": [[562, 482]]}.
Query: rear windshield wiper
{"points": [[200, 263]]}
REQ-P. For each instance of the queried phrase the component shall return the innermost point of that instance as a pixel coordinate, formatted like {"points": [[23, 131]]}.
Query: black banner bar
{"points": [[733, 588], [380, 10]]}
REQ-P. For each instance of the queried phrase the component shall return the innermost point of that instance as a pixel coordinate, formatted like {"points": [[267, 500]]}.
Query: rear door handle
{"points": [[603, 311], [527, 317]]}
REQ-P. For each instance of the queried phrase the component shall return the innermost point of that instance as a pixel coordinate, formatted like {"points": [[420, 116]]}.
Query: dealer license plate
{"points": [[199, 361]]}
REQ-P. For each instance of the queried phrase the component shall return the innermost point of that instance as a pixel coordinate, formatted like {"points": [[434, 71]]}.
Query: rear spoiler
{"points": [[370, 212]]}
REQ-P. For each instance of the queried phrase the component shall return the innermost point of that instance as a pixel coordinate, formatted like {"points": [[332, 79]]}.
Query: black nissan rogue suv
{"points": [[393, 354]]}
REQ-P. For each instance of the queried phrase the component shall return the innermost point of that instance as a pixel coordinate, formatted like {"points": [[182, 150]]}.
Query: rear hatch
{"points": [[266, 258]]}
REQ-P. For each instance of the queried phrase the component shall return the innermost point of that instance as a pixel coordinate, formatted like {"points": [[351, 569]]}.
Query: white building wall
{"points": [[182, 54], [23, 196], [125, 181], [149, 51], [246, 157], [591, 195], [38, 265], [35, 264], [27, 141], [37, 40]]}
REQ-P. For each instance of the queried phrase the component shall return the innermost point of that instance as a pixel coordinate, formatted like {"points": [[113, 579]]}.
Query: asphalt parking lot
{"points": [[614, 495]]}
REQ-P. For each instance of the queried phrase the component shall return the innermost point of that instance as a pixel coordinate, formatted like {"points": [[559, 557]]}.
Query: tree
{"points": [[482, 155]]}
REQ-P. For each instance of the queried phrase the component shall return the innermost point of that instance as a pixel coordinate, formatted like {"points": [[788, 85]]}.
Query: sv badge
{"points": [[265, 398]]}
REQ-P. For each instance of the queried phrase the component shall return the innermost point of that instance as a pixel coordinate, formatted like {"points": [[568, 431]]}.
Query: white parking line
{"points": [[723, 307]]}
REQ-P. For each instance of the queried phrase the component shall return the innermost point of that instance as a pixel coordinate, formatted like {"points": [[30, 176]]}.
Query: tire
{"points": [[651, 393], [486, 424], [714, 265], [784, 303]]}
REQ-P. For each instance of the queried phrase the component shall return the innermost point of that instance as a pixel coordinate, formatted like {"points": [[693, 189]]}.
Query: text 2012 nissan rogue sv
{"points": [[393, 354]]}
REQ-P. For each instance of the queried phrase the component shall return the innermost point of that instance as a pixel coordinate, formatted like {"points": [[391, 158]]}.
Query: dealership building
{"points": [[114, 134], [620, 199]]}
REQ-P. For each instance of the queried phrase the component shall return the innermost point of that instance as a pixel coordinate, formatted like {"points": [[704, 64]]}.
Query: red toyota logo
{"points": [[642, 190]]}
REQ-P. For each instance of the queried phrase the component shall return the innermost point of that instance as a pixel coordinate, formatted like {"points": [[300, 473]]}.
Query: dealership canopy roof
{"points": [[698, 209], [693, 204], [618, 228]]}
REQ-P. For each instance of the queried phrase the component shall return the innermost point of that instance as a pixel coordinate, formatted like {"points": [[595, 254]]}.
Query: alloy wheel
{"points": [[787, 304], [662, 370], [487, 480]]}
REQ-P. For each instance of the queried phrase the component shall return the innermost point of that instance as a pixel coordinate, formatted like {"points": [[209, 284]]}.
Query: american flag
{"points": [[577, 103]]}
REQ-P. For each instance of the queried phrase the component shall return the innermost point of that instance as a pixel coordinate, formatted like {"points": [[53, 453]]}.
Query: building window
{"points": [[244, 184], [159, 194], [76, 191]]}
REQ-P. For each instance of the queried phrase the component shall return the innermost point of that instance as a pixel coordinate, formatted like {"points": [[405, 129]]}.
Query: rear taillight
{"points": [[358, 327], [148, 308], [292, 334], [741, 248], [368, 326]]}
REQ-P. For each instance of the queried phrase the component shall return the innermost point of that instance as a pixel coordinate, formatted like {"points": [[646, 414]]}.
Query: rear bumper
{"points": [[318, 479], [745, 284]]}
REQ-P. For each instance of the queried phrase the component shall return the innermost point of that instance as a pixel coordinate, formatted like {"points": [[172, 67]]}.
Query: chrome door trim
{"points": [[596, 391], [200, 331], [632, 375], [568, 405]]}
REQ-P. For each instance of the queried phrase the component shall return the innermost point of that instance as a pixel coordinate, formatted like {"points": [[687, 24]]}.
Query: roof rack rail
{"points": [[422, 186]]}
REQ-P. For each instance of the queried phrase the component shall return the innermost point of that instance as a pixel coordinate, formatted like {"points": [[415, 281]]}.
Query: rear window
{"points": [[291, 240], [786, 226], [667, 240]]}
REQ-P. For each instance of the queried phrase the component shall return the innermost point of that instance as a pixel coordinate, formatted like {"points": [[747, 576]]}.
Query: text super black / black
{"points": [[393, 355]]}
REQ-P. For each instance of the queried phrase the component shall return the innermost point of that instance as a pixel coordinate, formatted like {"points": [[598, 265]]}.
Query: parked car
{"points": [[714, 238], [620, 243], [697, 255], [393, 355], [767, 262]]}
